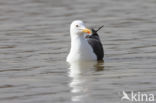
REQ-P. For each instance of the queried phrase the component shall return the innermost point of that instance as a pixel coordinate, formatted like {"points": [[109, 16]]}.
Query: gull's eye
{"points": [[77, 25]]}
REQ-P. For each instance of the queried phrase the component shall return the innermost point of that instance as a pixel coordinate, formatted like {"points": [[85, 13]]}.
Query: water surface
{"points": [[35, 40]]}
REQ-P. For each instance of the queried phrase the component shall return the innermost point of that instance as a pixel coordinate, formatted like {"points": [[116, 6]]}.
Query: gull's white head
{"points": [[77, 27]]}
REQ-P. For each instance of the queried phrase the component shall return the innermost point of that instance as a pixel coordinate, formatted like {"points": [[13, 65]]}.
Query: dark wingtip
{"points": [[99, 28], [94, 32]]}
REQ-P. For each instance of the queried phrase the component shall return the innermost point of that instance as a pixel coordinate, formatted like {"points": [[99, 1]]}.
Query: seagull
{"points": [[85, 43]]}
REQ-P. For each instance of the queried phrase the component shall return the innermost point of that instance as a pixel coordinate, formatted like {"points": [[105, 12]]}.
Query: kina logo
{"points": [[137, 97]]}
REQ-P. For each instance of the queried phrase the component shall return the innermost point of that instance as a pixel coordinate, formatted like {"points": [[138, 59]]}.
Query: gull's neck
{"points": [[77, 41]]}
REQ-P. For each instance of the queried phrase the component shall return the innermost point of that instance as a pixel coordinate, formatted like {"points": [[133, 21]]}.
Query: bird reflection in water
{"points": [[82, 74]]}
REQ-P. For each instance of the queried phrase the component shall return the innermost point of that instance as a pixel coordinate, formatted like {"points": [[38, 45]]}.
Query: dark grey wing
{"points": [[97, 48]]}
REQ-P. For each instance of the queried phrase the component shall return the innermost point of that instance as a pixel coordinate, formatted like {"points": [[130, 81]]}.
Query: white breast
{"points": [[80, 50]]}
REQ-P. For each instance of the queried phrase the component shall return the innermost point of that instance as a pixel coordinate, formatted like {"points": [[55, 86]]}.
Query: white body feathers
{"points": [[80, 50]]}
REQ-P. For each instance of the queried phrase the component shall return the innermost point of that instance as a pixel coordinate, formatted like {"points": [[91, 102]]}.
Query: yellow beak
{"points": [[86, 30]]}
